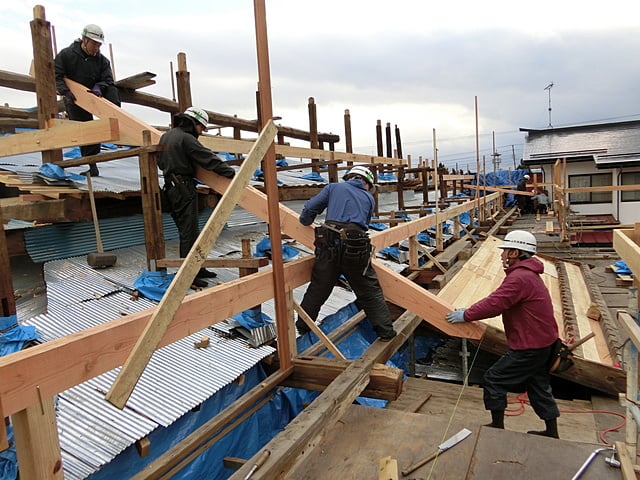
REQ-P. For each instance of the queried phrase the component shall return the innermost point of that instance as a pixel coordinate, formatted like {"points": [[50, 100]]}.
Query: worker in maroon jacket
{"points": [[531, 330]]}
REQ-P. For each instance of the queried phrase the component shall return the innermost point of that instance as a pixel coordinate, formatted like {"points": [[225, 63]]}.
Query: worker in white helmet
{"points": [[342, 247], [531, 330], [82, 62], [181, 153]]}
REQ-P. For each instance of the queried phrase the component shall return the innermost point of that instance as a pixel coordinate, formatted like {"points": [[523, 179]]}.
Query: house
{"points": [[597, 155]]}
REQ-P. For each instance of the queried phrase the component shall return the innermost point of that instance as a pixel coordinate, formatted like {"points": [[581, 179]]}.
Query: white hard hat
{"points": [[94, 32], [520, 240], [199, 115], [527, 177], [360, 171]]}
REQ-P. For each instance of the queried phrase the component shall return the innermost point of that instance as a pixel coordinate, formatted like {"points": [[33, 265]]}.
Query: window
{"points": [[630, 178], [590, 180]]}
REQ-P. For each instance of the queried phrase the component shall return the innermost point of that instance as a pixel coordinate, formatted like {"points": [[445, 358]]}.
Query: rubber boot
{"points": [[497, 419], [551, 429]]}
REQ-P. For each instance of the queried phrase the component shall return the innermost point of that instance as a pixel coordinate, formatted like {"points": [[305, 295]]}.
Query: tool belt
{"points": [[344, 241], [560, 358]]}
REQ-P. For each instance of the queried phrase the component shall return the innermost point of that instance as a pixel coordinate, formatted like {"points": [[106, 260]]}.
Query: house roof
{"points": [[609, 145]]}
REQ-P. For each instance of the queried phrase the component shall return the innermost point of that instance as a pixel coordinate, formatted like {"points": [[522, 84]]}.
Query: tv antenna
{"points": [[549, 87]]}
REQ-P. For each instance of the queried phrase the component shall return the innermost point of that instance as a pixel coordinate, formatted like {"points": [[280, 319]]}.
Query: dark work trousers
{"points": [[521, 367], [81, 115], [183, 205], [334, 258]]}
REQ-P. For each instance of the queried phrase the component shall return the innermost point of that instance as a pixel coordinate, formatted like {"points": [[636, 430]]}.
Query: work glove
{"points": [[96, 91], [69, 96], [457, 316]]}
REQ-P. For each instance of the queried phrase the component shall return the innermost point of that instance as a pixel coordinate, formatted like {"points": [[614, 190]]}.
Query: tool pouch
{"points": [[356, 250], [179, 192], [560, 358], [327, 244]]}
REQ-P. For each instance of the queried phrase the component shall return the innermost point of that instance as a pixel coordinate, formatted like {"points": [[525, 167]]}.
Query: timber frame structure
{"points": [[32, 377]]}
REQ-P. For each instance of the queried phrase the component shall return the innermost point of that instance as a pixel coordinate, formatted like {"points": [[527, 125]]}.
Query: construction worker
{"points": [[82, 62], [181, 153], [342, 246], [531, 330], [523, 200]]}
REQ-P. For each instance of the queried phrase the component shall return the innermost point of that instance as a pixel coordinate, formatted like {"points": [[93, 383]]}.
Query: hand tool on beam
{"points": [[258, 463], [443, 447], [142, 351]]}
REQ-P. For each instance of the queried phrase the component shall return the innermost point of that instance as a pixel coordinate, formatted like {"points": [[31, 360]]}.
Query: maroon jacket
{"points": [[525, 304]]}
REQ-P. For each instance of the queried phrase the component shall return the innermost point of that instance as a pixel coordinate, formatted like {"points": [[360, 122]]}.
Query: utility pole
{"points": [[549, 87]]}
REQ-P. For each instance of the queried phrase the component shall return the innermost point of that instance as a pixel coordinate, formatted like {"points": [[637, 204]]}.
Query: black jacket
{"points": [[72, 62], [183, 152]]}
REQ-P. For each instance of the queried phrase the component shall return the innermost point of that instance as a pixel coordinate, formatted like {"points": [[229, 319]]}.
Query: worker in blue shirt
{"points": [[342, 246]]}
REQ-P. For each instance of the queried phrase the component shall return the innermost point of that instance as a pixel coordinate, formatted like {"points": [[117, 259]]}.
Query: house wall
{"points": [[625, 212]]}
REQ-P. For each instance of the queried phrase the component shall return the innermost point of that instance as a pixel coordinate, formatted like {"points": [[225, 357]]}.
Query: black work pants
{"points": [[81, 115], [183, 206], [521, 367], [334, 259]]}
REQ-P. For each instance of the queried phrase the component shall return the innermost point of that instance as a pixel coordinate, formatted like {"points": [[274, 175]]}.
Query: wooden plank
{"points": [[388, 469], [130, 127], [139, 80], [66, 135], [131, 371], [316, 330], [628, 249], [626, 462], [218, 262]]}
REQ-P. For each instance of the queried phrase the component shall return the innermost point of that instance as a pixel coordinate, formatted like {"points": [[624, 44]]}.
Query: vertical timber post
{"points": [[184, 85], [151, 205]]}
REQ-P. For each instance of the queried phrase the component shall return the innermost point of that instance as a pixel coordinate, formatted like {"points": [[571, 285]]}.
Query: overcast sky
{"points": [[416, 64]]}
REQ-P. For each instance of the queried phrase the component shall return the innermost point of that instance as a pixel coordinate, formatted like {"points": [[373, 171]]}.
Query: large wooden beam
{"points": [[67, 134], [130, 127], [54, 366], [317, 373], [396, 288], [148, 342]]}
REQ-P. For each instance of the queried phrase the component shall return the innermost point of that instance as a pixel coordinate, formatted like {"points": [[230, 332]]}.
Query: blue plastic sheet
{"points": [[263, 249], [253, 318], [52, 170], [391, 252], [13, 335], [9, 459], [315, 176], [622, 267], [390, 177], [153, 285], [500, 178]]}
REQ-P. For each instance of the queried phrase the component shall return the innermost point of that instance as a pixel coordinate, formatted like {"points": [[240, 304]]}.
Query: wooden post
{"points": [[184, 85], [313, 131], [7, 307], [151, 205], [379, 139], [287, 341], [44, 76], [387, 132], [398, 142], [347, 134]]}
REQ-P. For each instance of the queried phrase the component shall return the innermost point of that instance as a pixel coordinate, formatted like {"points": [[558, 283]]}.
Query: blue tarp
{"points": [[315, 176], [13, 335], [252, 318], [8, 458], [51, 170], [503, 177], [622, 267], [153, 284], [263, 249]]}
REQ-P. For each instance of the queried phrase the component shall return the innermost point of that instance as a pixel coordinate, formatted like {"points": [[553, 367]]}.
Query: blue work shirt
{"points": [[348, 202]]}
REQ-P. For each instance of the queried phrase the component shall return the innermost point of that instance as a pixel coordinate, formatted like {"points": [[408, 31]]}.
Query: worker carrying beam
{"points": [[531, 330], [82, 62], [342, 247]]}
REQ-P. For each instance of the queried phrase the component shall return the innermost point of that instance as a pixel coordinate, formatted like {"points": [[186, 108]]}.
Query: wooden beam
{"points": [[69, 134], [306, 431], [131, 371], [319, 333], [317, 373], [218, 262], [130, 127], [627, 247]]}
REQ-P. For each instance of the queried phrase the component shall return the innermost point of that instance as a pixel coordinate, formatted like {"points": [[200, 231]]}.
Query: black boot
{"points": [[497, 419], [203, 272], [551, 430], [302, 326]]}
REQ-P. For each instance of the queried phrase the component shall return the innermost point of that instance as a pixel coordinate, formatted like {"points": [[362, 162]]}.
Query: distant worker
{"points": [[82, 62], [531, 330], [541, 201], [342, 246], [523, 200], [178, 160]]}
